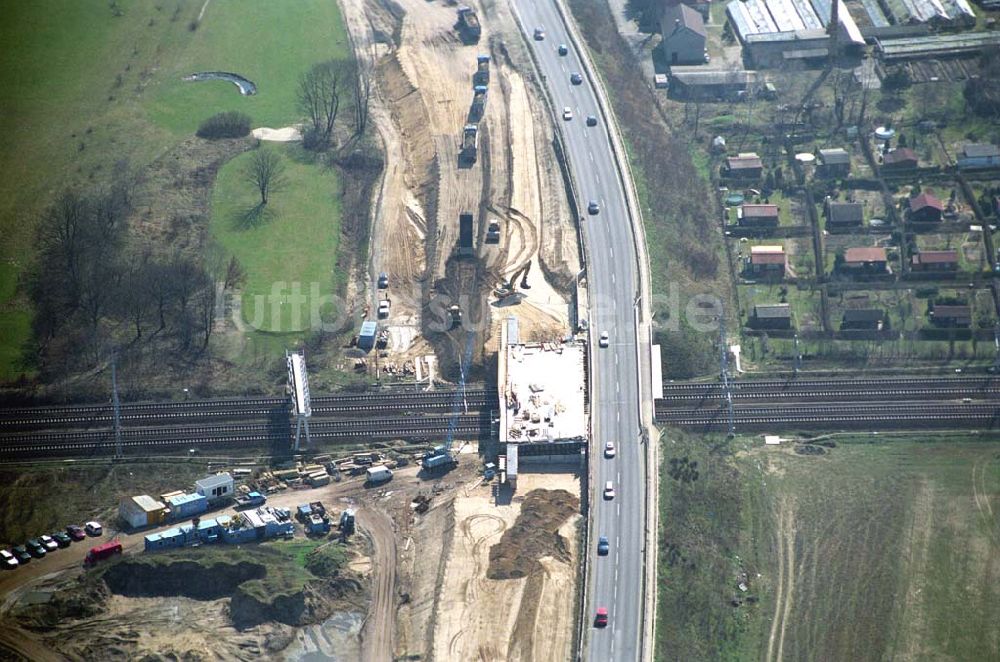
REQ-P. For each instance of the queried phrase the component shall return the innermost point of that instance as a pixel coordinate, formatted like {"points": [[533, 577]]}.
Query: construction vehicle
{"points": [[456, 316], [478, 102], [103, 551], [253, 499], [346, 525], [470, 143], [493, 233], [509, 289], [437, 458], [468, 24], [482, 75], [376, 475]]}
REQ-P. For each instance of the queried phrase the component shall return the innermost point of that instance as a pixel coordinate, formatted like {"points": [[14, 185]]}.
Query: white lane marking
{"points": [[612, 277], [609, 245], [618, 416], [591, 156], [616, 358], [619, 509], [618, 388], [598, 177]]}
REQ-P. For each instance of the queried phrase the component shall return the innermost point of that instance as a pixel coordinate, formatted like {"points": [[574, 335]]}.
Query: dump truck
{"points": [[470, 143], [103, 551], [468, 24], [482, 75], [251, 500], [478, 102]]}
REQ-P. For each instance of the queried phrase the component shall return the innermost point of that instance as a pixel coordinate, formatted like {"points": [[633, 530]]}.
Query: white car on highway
{"points": [[603, 341], [609, 490], [609, 449], [567, 113]]}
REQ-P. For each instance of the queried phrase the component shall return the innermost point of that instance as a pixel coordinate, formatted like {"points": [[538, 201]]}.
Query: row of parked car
{"points": [[38, 547]]}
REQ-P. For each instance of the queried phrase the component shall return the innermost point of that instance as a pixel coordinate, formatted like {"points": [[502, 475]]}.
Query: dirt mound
{"points": [[200, 581], [534, 535]]}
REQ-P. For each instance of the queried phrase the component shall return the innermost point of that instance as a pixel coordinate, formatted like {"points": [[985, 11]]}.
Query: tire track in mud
{"points": [[472, 587]]}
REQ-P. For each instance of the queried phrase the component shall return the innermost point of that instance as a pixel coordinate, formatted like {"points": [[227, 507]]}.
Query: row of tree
{"points": [[88, 283], [323, 88]]}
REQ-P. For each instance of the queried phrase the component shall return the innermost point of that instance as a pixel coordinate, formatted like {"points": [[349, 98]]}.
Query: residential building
{"points": [[744, 166], [766, 261], [684, 35], [925, 208], [757, 216], [771, 316], [865, 259], [935, 261], [696, 82], [901, 158], [864, 319], [951, 316], [831, 163], [215, 488], [979, 155], [843, 215]]}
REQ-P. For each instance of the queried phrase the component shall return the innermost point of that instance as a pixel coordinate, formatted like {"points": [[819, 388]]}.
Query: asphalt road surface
{"points": [[612, 275]]}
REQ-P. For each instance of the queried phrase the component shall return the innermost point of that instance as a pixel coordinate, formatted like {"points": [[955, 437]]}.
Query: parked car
{"points": [[383, 308], [576, 78], [609, 490], [62, 539], [383, 281], [602, 546], [21, 554], [76, 532], [591, 120], [93, 528], [36, 548], [563, 49], [50, 544], [593, 208], [601, 619], [8, 560], [609, 449]]}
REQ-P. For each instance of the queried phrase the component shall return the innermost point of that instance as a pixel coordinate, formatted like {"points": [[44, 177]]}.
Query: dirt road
{"points": [[378, 633]]}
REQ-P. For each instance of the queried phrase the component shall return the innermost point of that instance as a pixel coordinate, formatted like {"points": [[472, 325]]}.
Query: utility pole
{"points": [[117, 406]]}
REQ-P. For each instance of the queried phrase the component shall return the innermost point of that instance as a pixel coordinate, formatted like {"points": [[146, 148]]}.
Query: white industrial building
{"points": [[140, 511], [215, 488]]}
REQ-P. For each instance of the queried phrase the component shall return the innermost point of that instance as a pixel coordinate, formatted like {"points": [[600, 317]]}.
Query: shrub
{"points": [[230, 124]]}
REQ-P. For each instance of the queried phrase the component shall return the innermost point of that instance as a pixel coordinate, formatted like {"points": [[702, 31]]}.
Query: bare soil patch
{"points": [[534, 535]]}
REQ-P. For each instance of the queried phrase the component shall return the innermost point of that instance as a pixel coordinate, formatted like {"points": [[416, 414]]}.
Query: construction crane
{"points": [[509, 288]]}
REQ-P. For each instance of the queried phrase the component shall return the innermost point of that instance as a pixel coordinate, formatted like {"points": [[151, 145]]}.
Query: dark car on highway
{"points": [[576, 78], [591, 120], [602, 546], [563, 50]]}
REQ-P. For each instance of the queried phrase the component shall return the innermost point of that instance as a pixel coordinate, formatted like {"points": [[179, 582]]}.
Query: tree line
{"points": [[93, 292]]}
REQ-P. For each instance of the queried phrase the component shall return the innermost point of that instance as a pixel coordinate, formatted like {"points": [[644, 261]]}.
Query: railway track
{"points": [[153, 413], [971, 384]]}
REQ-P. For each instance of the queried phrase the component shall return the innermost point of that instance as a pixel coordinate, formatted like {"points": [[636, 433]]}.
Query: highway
{"points": [[612, 278]]}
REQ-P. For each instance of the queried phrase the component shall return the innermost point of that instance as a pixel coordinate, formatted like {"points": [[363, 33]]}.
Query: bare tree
{"points": [[320, 91], [235, 274], [266, 172], [362, 96]]}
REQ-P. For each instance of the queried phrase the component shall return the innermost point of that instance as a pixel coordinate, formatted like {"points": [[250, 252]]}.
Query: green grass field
{"points": [[84, 88], [884, 547], [296, 245]]}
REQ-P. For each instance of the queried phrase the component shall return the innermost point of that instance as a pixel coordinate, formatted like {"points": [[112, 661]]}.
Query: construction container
{"points": [[369, 332], [215, 488], [184, 506], [170, 495], [465, 234], [311, 469], [286, 474], [142, 510], [319, 478]]}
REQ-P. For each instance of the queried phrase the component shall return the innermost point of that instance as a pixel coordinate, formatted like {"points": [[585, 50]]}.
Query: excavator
{"points": [[509, 289]]}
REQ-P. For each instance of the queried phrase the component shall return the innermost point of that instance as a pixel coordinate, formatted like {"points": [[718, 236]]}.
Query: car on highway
{"points": [[567, 113], [76, 532], [563, 50], [609, 490], [591, 120], [603, 341], [383, 281], [593, 208], [601, 619], [8, 559], [50, 544], [93, 528], [62, 539], [21, 554], [539, 33], [603, 546], [576, 78], [36, 548], [609, 449]]}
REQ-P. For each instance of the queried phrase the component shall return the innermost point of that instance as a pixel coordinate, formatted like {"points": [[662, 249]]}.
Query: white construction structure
{"points": [[298, 386]]}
